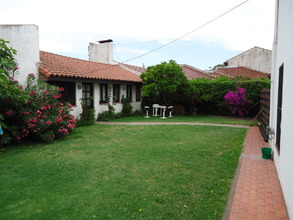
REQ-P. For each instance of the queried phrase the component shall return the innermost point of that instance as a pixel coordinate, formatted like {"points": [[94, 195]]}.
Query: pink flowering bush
{"points": [[38, 116], [237, 102]]}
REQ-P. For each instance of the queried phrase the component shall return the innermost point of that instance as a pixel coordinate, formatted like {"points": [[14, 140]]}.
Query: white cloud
{"points": [[68, 25]]}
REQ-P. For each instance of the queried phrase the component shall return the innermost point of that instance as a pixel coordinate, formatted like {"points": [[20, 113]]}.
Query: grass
{"points": [[122, 172], [198, 118]]}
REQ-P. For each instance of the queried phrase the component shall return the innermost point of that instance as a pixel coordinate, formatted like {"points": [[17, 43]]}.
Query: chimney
{"points": [[102, 52]]}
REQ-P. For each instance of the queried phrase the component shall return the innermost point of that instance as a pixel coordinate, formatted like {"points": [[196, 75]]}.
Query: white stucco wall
{"points": [[24, 39], [256, 58], [283, 54], [99, 108], [77, 109], [102, 53]]}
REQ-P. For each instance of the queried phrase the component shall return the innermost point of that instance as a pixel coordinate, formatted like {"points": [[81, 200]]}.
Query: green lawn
{"points": [[122, 172], [198, 118]]}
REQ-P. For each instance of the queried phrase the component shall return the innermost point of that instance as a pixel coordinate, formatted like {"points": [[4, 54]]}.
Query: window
{"points": [[129, 92], [116, 93], [68, 95], [103, 93], [279, 108], [138, 93], [87, 94]]}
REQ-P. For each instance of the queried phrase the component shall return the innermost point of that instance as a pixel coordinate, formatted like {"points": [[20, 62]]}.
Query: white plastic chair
{"points": [[170, 109], [147, 108], [155, 109], [163, 111]]}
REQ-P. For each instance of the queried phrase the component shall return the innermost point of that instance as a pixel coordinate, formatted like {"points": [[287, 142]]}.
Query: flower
{"points": [[71, 126], [48, 122], [43, 108], [59, 120], [31, 75], [56, 96], [9, 112], [33, 93]]}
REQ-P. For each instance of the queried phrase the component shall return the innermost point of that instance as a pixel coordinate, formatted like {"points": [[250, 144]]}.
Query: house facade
{"points": [[281, 115], [90, 82], [95, 82], [256, 58]]}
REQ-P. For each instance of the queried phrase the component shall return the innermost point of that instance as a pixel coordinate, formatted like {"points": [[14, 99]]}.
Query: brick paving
{"points": [[256, 192]]}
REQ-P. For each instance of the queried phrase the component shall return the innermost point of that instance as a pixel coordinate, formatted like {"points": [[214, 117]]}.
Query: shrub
{"points": [[107, 115], [210, 93], [237, 102], [40, 116], [127, 107], [87, 117], [47, 118]]}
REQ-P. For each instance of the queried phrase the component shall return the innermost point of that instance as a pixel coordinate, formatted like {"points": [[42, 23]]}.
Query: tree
{"points": [[216, 66], [164, 80]]}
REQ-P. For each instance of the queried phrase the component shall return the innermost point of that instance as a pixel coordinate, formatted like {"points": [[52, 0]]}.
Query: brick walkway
{"points": [[256, 191]]}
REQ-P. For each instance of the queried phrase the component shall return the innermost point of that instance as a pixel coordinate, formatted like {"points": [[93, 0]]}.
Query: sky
{"points": [[139, 27]]}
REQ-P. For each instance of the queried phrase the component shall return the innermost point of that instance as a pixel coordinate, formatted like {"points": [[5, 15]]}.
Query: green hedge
{"points": [[210, 93]]}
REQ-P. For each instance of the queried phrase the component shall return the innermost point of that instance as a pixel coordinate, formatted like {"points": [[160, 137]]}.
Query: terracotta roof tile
{"points": [[58, 65], [136, 69], [240, 71], [193, 73]]}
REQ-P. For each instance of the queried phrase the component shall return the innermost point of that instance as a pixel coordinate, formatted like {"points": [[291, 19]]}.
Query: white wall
{"points": [[24, 39], [283, 54], [256, 58], [102, 53], [77, 109], [99, 108]]}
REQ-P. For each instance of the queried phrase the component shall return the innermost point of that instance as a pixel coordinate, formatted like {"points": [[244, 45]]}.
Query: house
{"points": [[228, 71], [256, 58], [91, 82], [194, 73], [281, 109], [239, 71], [95, 81]]}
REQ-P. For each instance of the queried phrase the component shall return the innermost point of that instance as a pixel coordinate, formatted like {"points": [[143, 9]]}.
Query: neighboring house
{"points": [[256, 58], [281, 115], [135, 69], [194, 73], [231, 72], [94, 81], [239, 71]]}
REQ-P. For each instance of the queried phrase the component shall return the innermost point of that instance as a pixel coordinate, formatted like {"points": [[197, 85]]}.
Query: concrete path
{"points": [[170, 123]]}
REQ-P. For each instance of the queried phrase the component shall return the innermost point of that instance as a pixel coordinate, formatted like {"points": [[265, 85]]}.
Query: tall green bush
{"points": [[210, 93]]}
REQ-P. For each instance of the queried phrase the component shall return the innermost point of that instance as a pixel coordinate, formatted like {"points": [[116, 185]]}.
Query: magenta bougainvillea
{"points": [[237, 102]]}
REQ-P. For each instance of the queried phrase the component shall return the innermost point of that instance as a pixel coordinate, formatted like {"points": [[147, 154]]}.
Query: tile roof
{"points": [[58, 65], [193, 73], [240, 71], [135, 69]]}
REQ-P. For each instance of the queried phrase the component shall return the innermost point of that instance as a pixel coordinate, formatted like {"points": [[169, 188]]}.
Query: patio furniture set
{"points": [[159, 110]]}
